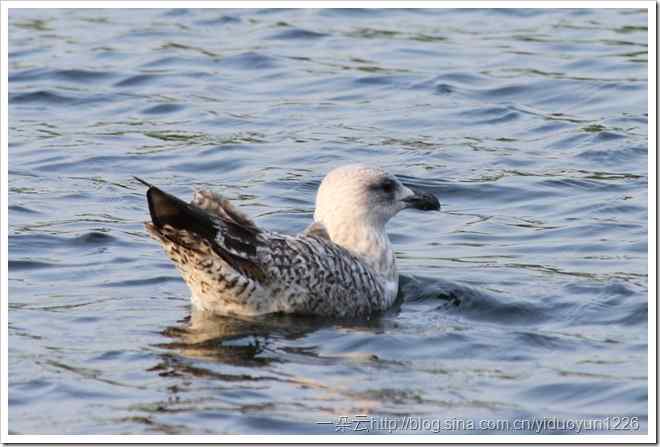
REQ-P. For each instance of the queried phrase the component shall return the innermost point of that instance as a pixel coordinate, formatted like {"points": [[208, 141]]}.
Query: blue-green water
{"points": [[525, 298]]}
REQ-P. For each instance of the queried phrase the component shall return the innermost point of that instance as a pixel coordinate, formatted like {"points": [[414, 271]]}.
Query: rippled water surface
{"points": [[526, 297]]}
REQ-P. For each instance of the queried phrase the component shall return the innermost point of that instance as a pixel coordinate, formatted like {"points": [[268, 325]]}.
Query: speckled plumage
{"points": [[234, 267]]}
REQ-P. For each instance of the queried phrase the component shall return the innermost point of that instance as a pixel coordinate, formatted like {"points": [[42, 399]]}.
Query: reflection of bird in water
{"points": [[232, 339], [341, 266], [254, 343], [228, 354]]}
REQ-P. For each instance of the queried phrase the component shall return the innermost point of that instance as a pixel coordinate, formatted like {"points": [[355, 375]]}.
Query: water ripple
{"points": [[527, 295]]}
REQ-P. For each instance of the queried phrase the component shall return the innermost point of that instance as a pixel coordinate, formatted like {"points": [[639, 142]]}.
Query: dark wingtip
{"points": [[166, 209], [159, 206]]}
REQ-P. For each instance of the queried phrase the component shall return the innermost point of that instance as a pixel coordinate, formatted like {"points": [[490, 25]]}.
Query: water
{"points": [[525, 298]]}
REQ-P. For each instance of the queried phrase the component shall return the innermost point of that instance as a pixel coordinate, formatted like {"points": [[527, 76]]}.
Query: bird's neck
{"points": [[369, 243]]}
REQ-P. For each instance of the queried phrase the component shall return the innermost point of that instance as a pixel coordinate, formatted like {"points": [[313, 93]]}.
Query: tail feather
{"points": [[236, 246], [166, 209]]}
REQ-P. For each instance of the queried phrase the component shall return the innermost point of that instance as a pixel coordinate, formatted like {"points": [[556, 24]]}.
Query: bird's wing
{"points": [[210, 223], [325, 274], [237, 232], [217, 205]]}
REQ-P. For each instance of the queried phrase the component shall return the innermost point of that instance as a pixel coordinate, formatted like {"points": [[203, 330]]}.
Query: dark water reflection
{"points": [[525, 298]]}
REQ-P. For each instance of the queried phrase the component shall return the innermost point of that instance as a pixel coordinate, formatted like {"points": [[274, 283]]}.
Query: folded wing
{"points": [[208, 223]]}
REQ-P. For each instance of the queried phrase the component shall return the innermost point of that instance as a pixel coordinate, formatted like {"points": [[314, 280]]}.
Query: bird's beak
{"points": [[421, 200]]}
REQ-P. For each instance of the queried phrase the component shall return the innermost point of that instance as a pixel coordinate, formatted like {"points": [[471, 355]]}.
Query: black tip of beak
{"points": [[423, 200]]}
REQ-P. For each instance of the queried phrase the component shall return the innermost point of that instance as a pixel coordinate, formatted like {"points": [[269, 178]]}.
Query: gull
{"points": [[341, 266]]}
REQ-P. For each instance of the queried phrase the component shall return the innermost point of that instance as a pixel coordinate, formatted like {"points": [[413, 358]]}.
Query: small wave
{"points": [[46, 97], [609, 304], [82, 76], [533, 340], [155, 280], [139, 80], [222, 20], [161, 109], [250, 60], [43, 242], [40, 97], [471, 303], [22, 209], [297, 33], [218, 166], [29, 265], [614, 157], [93, 238], [387, 80]]}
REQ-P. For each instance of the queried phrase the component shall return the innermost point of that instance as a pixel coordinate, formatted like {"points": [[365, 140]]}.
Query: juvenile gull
{"points": [[341, 266]]}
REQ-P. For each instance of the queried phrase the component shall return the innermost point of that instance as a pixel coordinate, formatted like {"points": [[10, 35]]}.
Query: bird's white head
{"points": [[358, 198]]}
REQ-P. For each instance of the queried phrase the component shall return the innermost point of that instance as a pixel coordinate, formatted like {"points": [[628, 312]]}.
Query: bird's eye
{"points": [[388, 186]]}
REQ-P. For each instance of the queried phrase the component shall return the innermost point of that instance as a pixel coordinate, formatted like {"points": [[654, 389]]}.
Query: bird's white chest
{"points": [[375, 250]]}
